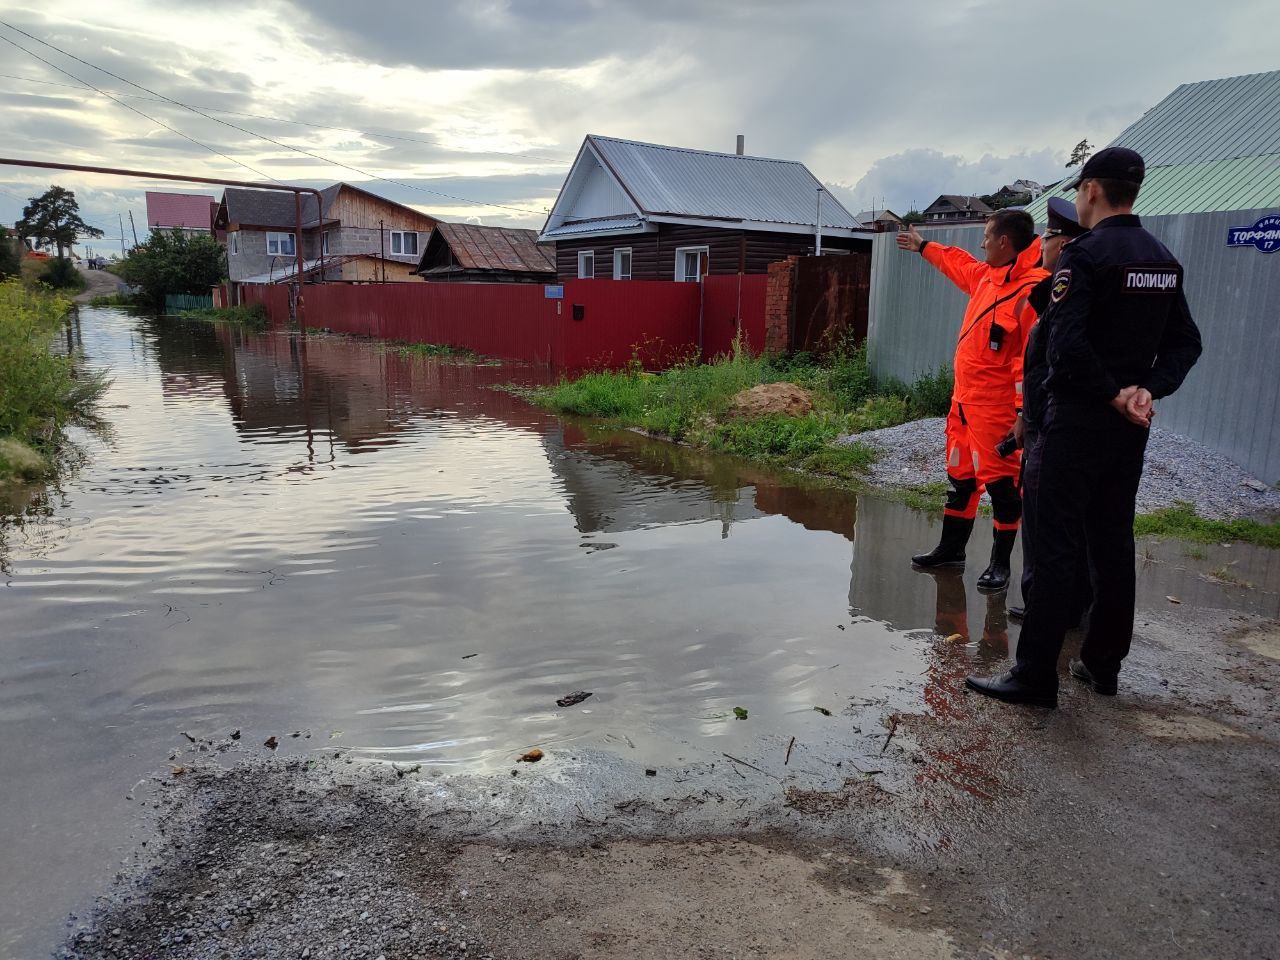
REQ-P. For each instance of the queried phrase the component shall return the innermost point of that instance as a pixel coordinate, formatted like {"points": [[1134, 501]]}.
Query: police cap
{"points": [[1112, 163], [1062, 219]]}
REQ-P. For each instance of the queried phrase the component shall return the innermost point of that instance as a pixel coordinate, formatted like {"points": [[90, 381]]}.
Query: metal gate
{"points": [[830, 301]]}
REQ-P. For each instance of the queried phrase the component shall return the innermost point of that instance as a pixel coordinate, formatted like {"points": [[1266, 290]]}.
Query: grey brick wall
{"points": [[253, 260]]}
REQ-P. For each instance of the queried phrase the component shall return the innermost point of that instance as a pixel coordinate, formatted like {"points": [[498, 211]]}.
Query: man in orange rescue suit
{"points": [[988, 384]]}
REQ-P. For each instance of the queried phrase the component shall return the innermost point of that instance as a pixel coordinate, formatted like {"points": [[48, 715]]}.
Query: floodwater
{"points": [[389, 557]]}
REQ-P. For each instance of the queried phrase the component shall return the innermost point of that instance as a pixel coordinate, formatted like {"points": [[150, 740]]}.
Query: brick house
{"points": [[642, 211], [364, 237]]}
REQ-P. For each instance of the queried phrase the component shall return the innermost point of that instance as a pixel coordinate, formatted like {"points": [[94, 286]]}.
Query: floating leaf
{"points": [[740, 712], [955, 638], [1173, 599], [533, 756]]}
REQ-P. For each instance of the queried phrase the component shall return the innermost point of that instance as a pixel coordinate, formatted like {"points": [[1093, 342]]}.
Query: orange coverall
{"points": [[988, 377]]}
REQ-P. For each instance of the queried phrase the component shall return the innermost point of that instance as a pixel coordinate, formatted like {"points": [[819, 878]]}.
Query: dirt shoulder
{"points": [[1139, 826], [100, 284]]}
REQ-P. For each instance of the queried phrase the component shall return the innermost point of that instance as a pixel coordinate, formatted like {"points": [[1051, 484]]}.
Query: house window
{"points": [[281, 245], [233, 241], [691, 263], [404, 243], [622, 263], [586, 264], [324, 243]]}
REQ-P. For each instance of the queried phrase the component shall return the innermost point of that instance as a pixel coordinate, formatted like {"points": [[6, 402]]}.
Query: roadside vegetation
{"points": [[439, 350], [1183, 523], [172, 262], [41, 390], [114, 300], [250, 316], [692, 403]]}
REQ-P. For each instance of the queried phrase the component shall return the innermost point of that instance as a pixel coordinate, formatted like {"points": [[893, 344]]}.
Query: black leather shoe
{"points": [[1017, 613], [1082, 673], [1011, 689]]}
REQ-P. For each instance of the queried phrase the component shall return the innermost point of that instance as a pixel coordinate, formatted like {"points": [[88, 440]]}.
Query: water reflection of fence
{"points": [[178, 302], [596, 323]]}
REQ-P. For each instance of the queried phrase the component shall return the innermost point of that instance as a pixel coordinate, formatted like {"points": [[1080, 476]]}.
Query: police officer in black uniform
{"points": [[1119, 335], [1062, 228]]}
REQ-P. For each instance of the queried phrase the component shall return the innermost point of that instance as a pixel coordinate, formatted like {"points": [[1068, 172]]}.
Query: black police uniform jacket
{"points": [[1117, 316]]}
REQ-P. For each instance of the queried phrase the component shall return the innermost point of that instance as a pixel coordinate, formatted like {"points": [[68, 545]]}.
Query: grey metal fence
{"points": [[1231, 400]]}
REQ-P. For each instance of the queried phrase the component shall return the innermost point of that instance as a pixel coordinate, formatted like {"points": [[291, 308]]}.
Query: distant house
{"points": [[363, 237], [641, 211], [881, 219], [952, 208], [468, 253], [1208, 146], [191, 213]]}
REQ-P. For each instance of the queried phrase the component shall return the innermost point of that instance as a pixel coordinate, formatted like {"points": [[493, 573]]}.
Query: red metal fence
{"points": [[597, 324]]}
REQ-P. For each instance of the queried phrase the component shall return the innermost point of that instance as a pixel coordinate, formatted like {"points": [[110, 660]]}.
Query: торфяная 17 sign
{"points": [[1265, 235]]}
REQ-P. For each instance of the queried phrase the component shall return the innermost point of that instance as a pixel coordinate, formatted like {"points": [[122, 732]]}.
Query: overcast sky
{"points": [[889, 103]]}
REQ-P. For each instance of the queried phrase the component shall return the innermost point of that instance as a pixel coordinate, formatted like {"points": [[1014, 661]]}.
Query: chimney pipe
{"points": [[742, 144]]}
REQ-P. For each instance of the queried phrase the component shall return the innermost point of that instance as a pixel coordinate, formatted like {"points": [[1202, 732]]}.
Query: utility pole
{"points": [[817, 227], [133, 228], [120, 219], [382, 252]]}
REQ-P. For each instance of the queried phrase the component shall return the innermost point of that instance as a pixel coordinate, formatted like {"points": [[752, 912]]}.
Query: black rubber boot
{"points": [[950, 549], [996, 576]]}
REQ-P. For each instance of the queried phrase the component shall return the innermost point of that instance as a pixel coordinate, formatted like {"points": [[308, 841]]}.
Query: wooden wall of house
{"points": [[653, 255], [356, 209], [369, 269]]}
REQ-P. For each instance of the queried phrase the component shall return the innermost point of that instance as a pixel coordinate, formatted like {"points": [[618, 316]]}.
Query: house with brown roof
{"points": [[469, 253], [951, 208], [192, 213], [361, 236]]}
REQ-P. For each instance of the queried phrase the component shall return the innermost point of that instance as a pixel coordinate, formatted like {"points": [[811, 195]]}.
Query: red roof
{"points": [[179, 210]]}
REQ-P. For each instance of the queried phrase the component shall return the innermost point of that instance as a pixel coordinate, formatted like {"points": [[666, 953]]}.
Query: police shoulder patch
{"points": [[1061, 282]]}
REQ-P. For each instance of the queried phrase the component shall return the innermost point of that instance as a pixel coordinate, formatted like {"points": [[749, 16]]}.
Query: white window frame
{"points": [[233, 242], [583, 256], [279, 239], [402, 236], [617, 263], [324, 243], [680, 255]]}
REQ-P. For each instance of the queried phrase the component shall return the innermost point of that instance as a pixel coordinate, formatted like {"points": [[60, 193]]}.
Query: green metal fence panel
{"points": [[181, 302]]}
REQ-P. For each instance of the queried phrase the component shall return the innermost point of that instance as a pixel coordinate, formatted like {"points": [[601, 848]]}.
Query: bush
{"points": [[62, 275], [10, 255], [173, 263], [40, 390], [774, 437], [931, 394], [252, 316], [850, 379]]}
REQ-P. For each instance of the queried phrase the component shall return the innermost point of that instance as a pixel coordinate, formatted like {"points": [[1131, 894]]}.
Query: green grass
{"points": [[1182, 522], [251, 316], [441, 350], [690, 403], [113, 300], [40, 390]]}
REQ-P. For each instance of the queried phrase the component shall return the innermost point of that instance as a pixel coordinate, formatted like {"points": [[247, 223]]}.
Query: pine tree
{"points": [[53, 218], [1080, 153]]}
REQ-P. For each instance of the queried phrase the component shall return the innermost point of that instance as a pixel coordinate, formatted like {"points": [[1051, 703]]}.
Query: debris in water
{"points": [[533, 756], [569, 699], [823, 710], [893, 728], [271, 743], [235, 734], [787, 758], [179, 771], [188, 736], [468, 656], [649, 772], [1173, 599], [740, 712], [955, 638]]}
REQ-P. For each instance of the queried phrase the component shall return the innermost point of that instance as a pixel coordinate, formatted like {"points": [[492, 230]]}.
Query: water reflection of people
{"points": [[946, 672]]}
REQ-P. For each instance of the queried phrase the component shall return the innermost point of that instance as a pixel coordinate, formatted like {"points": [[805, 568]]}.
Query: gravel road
{"points": [[1177, 469]]}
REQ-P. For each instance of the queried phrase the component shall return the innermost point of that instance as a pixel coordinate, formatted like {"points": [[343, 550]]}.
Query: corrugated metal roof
{"points": [[592, 226], [1213, 145], [674, 181], [495, 248], [179, 210], [1210, 120]]}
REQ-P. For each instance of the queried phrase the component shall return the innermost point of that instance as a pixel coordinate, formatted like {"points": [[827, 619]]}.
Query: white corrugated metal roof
{"points": [[673, 181], [601, 225]]}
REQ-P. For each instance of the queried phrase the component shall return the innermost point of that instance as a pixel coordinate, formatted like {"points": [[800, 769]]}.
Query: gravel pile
{"points": [[1178, 469]]}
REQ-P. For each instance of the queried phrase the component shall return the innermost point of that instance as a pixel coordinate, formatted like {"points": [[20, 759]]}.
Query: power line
{"points": [[317, 126], [260, 136], [161, 123]]}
